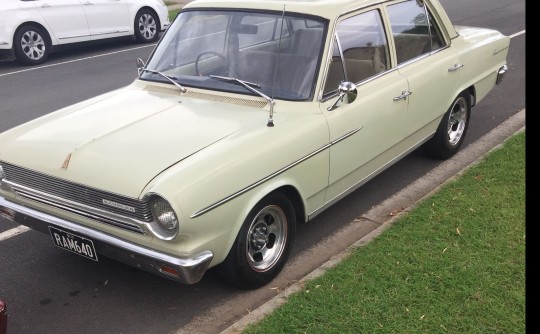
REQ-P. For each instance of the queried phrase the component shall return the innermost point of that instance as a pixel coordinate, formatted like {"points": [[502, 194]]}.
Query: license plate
{"points": [[73, 243]]}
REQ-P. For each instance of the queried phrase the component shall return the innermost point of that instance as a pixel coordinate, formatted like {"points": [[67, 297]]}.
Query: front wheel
{"points": [[147, 26], [452, 129], [263, 244], [31, 45]]}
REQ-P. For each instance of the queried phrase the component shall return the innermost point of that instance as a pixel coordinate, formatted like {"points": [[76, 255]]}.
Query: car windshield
{"points": [[277, 53]]}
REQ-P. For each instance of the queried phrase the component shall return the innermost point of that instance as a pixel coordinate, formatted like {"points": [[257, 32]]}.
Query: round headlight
{"points": [[165, 224]]}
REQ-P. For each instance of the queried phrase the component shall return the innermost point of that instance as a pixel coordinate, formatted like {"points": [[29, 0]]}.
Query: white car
{"points": [[30, 29]]}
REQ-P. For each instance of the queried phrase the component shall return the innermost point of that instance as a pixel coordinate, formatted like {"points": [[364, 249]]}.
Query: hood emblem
{"points": [[66, 162]]}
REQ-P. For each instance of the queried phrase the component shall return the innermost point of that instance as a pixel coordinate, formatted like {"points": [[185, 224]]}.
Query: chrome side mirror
{"points": [[140, 65], [347, 94]]}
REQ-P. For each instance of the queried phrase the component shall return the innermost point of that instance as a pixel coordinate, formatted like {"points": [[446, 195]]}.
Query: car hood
{"points": [[98, 142]]}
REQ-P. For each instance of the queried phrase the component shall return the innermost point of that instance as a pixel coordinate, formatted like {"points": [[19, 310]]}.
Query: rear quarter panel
{"points": [[482, 52]]}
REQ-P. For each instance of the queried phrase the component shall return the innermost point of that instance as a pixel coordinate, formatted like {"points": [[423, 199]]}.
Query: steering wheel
{"points": [[217, 54]]}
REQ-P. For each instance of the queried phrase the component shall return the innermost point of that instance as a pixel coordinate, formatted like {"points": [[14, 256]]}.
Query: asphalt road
{"points": [[51, 291]]}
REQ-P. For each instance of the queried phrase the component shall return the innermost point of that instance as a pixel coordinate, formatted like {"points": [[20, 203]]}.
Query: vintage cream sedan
{"points": [[250, 117]]}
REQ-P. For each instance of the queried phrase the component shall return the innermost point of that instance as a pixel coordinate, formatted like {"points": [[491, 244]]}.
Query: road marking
{"points": [[517, 34], [13, 232], [76, 60]]}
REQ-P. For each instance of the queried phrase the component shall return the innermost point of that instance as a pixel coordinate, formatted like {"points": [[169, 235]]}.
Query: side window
{"points": [[414, 30], [364, 48], [336, 73]]}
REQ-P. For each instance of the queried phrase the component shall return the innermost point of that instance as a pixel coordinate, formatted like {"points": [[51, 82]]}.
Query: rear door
{"points": [[431, 67], [107, 18]]}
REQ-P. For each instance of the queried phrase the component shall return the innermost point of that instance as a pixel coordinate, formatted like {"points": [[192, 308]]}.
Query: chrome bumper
{"points": [[501, 73], [190, 270]]}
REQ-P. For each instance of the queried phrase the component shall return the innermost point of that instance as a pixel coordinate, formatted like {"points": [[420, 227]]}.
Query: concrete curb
{"points": [[446, 172]]}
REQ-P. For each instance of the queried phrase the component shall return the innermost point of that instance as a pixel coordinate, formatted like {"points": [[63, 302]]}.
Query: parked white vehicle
{"points": [[30, 29]]}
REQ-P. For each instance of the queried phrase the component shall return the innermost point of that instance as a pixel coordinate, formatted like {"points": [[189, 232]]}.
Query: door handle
{"points": [[403, 95], [455, 67]]}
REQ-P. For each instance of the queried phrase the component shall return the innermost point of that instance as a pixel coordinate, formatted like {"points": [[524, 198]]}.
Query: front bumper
{"points": [[189, 270]]}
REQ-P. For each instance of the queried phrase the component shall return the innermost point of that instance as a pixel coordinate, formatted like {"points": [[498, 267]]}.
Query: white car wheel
{"points": [[32, 45], [147, 26]]}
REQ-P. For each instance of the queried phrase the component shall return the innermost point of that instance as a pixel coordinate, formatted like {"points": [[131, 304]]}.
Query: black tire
{"points": [[147, 26], [263, 244], [32, 45], [452, 130]]}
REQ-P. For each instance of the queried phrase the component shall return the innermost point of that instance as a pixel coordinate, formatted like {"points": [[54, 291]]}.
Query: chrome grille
{"points": [[77, 193]]}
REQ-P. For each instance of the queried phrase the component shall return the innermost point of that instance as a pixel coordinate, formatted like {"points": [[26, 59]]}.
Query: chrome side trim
{"points": [[367, 178], [274, 174], [190, 269], [74, 36], [110, 32]]}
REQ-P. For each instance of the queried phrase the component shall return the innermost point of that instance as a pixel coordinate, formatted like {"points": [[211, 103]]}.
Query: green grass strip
{"points": [[454, 264]]}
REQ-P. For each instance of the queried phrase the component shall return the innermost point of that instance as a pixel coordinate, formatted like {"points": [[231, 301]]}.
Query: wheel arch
{"points": [[49, 36], [287, 190], [296, 199], [472, 92], [150, 9]]}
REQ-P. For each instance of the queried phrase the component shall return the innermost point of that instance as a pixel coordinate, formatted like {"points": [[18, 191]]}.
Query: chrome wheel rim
{"points": [[147, 26], [33, 45], [266, 238], [457, 121]]}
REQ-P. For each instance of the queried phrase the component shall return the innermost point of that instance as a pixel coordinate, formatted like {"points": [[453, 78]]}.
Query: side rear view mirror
{"points": [[347, 94]]}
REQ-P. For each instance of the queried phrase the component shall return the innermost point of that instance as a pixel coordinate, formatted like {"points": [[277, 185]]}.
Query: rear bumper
{"points": [[189, 270], [500, 74]]}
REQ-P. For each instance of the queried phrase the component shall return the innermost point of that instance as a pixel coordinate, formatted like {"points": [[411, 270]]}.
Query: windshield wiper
{"points": [[235, 80], [168, 77], [249, 86]]}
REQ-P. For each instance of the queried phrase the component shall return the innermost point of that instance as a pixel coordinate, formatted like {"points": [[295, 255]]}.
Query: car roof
{"points": [[329, 9], [324, 8]]}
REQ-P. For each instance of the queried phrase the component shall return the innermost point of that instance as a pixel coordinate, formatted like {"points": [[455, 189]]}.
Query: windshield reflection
{"points": [[278, 52]]}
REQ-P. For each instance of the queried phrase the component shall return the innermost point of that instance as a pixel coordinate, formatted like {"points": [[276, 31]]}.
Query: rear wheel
{"points": [[263, 244], [451, 132], [32, 45], [147, 26]]}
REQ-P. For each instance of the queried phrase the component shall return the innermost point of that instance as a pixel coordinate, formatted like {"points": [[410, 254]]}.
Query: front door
{"points": [[66, 19], [366, 133]]}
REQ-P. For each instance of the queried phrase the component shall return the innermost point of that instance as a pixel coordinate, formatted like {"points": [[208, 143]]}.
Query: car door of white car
{"points": [[66, 19], [366, 134], [107, 18]]}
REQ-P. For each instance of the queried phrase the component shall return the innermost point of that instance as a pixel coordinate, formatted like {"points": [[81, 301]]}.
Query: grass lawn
{"points": [[454, 264]]}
